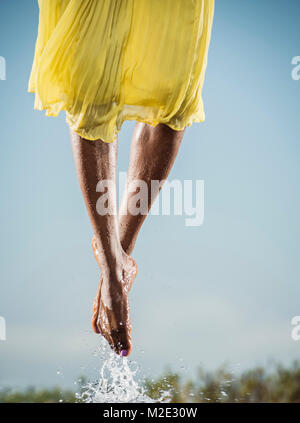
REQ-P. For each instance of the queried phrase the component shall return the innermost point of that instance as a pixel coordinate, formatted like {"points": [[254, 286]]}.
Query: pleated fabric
{"points": [[105, 61]]}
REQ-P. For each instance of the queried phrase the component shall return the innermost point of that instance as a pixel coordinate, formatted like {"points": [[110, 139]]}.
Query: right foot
{"points": [[111, 307]]}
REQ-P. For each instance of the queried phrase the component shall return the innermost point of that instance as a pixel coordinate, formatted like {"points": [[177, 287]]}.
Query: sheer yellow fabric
{"points": [[105, 61]]}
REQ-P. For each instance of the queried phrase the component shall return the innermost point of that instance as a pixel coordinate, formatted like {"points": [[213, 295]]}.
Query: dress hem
{"points": [[136, 113]]}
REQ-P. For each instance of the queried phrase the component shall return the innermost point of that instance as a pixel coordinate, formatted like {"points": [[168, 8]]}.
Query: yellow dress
{"points": [[105, 61]]}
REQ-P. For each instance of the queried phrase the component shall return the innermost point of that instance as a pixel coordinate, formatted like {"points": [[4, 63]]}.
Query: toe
{"points": [[122, 342], [95, 316], [96, 306], [94, 324]]}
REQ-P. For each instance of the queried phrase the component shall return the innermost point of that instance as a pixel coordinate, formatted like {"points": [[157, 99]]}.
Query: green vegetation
{"points": [[32, 395], [280, 384]]}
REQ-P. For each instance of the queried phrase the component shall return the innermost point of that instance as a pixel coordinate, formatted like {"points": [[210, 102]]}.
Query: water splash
{"points": [[118, 381]]}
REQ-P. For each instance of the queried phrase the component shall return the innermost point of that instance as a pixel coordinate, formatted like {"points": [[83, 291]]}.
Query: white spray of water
{"points": [[117, 382]]}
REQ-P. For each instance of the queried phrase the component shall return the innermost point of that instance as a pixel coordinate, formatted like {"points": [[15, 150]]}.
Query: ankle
{"points": [[127, 246], [111, 271]]}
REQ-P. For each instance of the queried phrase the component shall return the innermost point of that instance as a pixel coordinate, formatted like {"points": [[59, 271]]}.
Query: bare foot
{"points": [[111, 316]]}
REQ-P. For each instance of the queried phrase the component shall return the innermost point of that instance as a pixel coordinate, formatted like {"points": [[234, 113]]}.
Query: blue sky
{"points": [[222, 292]]}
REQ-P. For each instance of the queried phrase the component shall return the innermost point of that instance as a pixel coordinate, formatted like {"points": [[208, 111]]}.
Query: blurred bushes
{"points": [[32, 395], [279, 384]]}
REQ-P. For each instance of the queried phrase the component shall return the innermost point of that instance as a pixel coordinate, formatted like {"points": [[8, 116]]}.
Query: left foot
{"points": [[111, 307]]}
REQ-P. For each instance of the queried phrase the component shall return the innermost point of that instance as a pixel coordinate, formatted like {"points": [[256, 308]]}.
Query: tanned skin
{"points": [[152, 154]]}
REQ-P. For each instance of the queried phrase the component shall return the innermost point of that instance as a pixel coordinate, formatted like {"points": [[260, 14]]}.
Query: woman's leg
{"points": [[95, 163], [152, 155]]}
